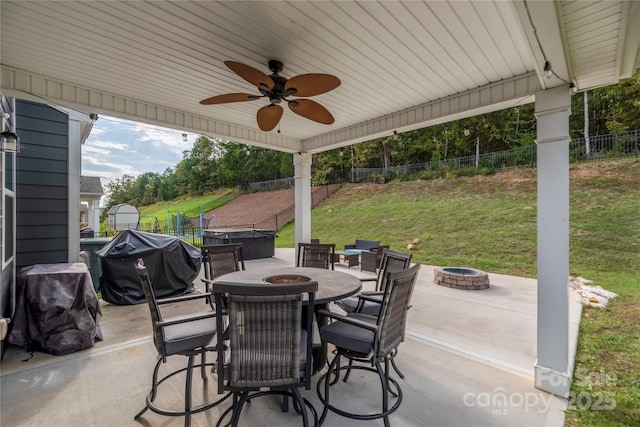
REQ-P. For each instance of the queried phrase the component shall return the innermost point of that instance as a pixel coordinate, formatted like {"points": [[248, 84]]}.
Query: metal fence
{"points": [[191, 235], [273, 184], [605, 146], [580, 149]]}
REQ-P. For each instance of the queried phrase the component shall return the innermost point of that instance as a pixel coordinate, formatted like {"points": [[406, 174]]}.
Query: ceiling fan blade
{"points": [[311, 84], [229, 97], [250, 74], [312, 111], [269, 116]]}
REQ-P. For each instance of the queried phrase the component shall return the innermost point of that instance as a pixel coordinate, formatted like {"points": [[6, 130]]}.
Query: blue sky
{"points": [[119, 147]]}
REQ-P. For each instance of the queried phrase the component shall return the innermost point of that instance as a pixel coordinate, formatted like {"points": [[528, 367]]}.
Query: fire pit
{"points": [[287, 278], [461, 278]]}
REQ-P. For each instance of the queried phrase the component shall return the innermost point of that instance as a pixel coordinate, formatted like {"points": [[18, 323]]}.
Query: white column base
{"points": [[551, 381]]}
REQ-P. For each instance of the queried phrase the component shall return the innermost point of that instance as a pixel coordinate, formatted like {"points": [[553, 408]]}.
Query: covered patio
{"points": [[468, 360], [402, 66]]}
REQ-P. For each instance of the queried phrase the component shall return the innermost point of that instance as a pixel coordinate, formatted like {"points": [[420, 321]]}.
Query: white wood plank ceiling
{"points": [[403, 65]]}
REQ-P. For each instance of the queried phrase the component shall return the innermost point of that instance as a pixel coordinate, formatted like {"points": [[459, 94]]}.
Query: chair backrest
{"points": [[398, 290], [316, 241], [391, 261], [156, 316], [318, 255], [222, 259], [380, 250], [265, 328]]}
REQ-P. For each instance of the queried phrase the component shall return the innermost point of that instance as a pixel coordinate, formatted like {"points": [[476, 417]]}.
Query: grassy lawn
{"points": [[190, 206], [489, 222]]}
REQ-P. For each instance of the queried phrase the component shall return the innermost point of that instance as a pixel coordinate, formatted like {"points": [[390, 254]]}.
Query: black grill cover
{"points": [[172, 265]]}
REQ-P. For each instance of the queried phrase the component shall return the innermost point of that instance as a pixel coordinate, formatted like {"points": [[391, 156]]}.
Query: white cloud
{"points": [[119, 147], [109, 145]]}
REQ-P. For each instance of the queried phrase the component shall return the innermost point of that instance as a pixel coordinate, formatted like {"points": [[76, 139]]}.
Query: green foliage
{"points": [[190, 206], [211, 164]]}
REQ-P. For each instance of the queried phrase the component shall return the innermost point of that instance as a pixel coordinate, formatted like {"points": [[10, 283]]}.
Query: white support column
{"points": [[94, 215], [553, 368], [302, 172], [75, 152]]}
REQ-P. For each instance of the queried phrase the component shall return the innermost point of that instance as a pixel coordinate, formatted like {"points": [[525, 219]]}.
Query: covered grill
{"points": [[172, 265]]}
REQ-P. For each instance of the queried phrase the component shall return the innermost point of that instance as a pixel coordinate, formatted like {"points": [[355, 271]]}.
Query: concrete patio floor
{"points": [[468, 360]]}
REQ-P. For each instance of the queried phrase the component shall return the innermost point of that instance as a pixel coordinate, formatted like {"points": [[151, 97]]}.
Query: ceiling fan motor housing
{"points": [[277, 94]]}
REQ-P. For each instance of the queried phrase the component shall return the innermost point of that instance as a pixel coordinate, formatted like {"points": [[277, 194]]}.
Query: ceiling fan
{"points": [[279, 89]]}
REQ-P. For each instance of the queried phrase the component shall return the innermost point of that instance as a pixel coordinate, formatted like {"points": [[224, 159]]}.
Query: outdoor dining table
{"points": [[332, 285]]}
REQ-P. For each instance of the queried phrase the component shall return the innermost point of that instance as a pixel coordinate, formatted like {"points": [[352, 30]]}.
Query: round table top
{"points": [[332, 285]]}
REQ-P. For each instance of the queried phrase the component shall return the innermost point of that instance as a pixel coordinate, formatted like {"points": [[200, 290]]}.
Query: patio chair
{"points": [[390, 261], [318, 255], [269, 348], [368, 302], [219, 260], [371, 340], [370, 260], [186, 335]]}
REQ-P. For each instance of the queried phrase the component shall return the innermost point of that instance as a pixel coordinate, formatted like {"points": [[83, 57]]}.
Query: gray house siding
{"points": [[42, 223], [6, 236]]}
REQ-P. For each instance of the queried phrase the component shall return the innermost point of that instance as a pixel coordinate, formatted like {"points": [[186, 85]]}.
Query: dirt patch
{"points": [[250, 209], [253, 209]]}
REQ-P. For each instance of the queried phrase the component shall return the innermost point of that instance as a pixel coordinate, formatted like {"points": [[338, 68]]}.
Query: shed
{"points": [[124, 217]]}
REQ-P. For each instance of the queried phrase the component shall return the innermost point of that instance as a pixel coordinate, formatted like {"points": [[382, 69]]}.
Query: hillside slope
{"points": [[251, 208], [254, 208]]}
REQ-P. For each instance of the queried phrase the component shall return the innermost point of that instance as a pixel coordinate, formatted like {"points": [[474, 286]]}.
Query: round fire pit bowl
{"points": [[281, 279], [461, 278]]}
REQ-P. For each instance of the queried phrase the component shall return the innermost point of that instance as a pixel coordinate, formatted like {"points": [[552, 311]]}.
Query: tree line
{"points": [[213, 163]]}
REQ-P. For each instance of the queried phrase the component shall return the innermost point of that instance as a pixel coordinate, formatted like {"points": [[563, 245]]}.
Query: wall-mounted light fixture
{"points": [[10, 142], [547, 72]]}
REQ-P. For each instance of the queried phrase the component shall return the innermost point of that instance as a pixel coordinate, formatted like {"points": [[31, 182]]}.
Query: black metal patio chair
{"points": [[372, 340], [269, 348], [368, 302], [318, 255], [390, 261], [219, 260], [186, 335]]}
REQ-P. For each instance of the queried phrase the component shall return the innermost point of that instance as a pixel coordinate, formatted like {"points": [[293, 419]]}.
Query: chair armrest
{"points": [[368, 279], [182, 298], [371, 294], [371, 298], [186, 318], [350, 320]]}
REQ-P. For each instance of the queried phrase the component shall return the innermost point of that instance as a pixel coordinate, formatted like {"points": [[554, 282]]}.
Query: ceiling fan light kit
{"points": [[278, 88]]}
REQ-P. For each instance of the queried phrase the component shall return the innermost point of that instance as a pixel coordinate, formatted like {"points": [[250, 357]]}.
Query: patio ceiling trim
{"points": [[30, 86], [492, 97]]}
